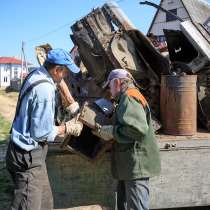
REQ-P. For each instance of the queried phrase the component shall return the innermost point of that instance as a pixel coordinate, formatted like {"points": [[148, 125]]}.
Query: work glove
{"points": [[104, 132], [73, 109], [73, 127]]}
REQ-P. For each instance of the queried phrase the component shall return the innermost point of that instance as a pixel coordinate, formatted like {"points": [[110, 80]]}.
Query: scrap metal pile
{"points": [[105, 39]]}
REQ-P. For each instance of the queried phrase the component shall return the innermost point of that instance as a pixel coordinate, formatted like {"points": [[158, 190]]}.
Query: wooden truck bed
{"points": [[184, 180]]}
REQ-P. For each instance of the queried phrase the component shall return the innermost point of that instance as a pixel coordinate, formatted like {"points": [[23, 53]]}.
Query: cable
{"points": [[49, 33], [60, 27]]}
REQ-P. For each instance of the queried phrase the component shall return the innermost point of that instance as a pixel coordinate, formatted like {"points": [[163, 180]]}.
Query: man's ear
{"points": [[58, 68], [117, 83]]}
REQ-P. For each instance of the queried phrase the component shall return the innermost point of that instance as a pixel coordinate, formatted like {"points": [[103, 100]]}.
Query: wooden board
{"points": [[184, 179]]}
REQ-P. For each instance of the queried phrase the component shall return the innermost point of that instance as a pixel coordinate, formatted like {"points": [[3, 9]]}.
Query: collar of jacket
{"points": [[130, 85], [48, 76]]}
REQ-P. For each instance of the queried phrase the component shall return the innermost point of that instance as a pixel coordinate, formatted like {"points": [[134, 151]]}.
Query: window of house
{"points": [[207, 24], [7, 68], [5, 79], [15, 73], [170, 17], [161, 38]]}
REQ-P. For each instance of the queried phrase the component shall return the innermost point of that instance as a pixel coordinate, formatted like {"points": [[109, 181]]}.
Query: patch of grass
{"points": [[4, 129]]}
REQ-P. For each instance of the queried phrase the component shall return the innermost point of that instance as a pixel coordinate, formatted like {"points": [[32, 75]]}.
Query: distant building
{"points": [[195, 10], [10, 69]]}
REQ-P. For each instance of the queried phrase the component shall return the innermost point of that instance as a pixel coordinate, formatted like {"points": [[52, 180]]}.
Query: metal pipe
{"points": [[162, 9]]}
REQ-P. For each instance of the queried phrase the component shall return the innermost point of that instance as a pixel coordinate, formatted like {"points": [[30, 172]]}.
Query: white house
{"points": [[194, 10], [10, 68]]}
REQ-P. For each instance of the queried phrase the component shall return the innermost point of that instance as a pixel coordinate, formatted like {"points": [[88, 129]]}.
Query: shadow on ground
{"points": [[5, 187]]}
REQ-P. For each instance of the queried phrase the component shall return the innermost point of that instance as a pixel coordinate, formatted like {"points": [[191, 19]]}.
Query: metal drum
{"points": [[178, 102]]}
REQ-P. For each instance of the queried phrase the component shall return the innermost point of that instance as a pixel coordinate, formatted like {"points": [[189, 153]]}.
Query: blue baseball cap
{"points": [[117, 74], [62, 57]]}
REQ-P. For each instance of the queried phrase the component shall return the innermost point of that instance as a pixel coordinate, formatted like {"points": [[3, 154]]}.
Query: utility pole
{"points": [[21, 73], [23, 61]]}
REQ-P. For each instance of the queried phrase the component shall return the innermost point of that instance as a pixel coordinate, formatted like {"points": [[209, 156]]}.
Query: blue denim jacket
{"points": [[35, 121]]}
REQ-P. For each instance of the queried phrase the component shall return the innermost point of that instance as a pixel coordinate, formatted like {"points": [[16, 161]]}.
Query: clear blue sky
{"points": [[48, 21], [31, 20]]}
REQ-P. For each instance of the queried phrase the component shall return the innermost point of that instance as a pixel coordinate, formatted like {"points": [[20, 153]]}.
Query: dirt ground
{"points": [[8, 104]]}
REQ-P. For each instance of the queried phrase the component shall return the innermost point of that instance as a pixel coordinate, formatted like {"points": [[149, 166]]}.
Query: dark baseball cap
{"points": [[62, 57]]}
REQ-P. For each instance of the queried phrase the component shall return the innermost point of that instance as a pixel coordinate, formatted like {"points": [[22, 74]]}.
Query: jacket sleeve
{"points": [[131, 123], [42, 117]]}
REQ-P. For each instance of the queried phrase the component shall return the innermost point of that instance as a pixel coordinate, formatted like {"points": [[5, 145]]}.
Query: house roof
{"points": [[198, 10], [153, 20], [11, 60]]}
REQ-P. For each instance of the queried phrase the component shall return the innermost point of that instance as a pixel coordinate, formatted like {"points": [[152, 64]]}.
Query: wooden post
{"points": [[23, 61]]}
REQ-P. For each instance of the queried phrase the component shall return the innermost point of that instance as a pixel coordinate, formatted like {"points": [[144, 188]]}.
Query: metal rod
{"points": [[162, 9]]}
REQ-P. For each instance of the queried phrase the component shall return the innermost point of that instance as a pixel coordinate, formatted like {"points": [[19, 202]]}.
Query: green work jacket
{"points": [[135, 152]]}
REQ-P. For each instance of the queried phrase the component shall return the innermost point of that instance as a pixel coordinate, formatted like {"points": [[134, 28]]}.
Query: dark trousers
{"points": [[31, 184], [133, 194]]}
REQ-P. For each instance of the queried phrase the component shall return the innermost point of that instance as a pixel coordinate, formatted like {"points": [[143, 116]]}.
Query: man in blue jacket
{"points": [[33, 127]]}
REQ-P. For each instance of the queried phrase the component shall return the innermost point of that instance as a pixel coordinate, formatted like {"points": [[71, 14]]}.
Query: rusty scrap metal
{"points": [[179, 104], [118, 44], [91, 115]]}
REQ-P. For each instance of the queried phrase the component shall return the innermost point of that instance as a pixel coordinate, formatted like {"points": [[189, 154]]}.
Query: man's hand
{"points": [[73, 127], [73, 108], [104, 132]]}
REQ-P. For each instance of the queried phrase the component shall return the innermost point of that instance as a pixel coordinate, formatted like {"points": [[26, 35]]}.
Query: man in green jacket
{"points": [[135, 156]]}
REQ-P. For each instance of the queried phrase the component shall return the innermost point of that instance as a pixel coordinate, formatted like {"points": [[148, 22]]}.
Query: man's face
{"points": [[58, 73], [114, 87]]}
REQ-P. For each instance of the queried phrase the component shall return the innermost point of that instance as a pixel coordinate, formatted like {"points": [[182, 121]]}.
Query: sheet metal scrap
{"points": [[91, 115], [88, 145], [189, 50], [189, 47], [112, 41], [107, 33]]}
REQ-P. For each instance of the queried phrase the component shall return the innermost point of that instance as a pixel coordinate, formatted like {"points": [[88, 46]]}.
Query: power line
{"points": [[59, 28], [50, 32]]}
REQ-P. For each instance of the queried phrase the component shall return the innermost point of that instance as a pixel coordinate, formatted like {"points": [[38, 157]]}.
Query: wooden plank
{"points": [[200, 135], [184, 179], [76, 181]]}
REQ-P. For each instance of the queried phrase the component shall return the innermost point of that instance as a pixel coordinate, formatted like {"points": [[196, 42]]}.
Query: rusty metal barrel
{"points": [[178, 104]]}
